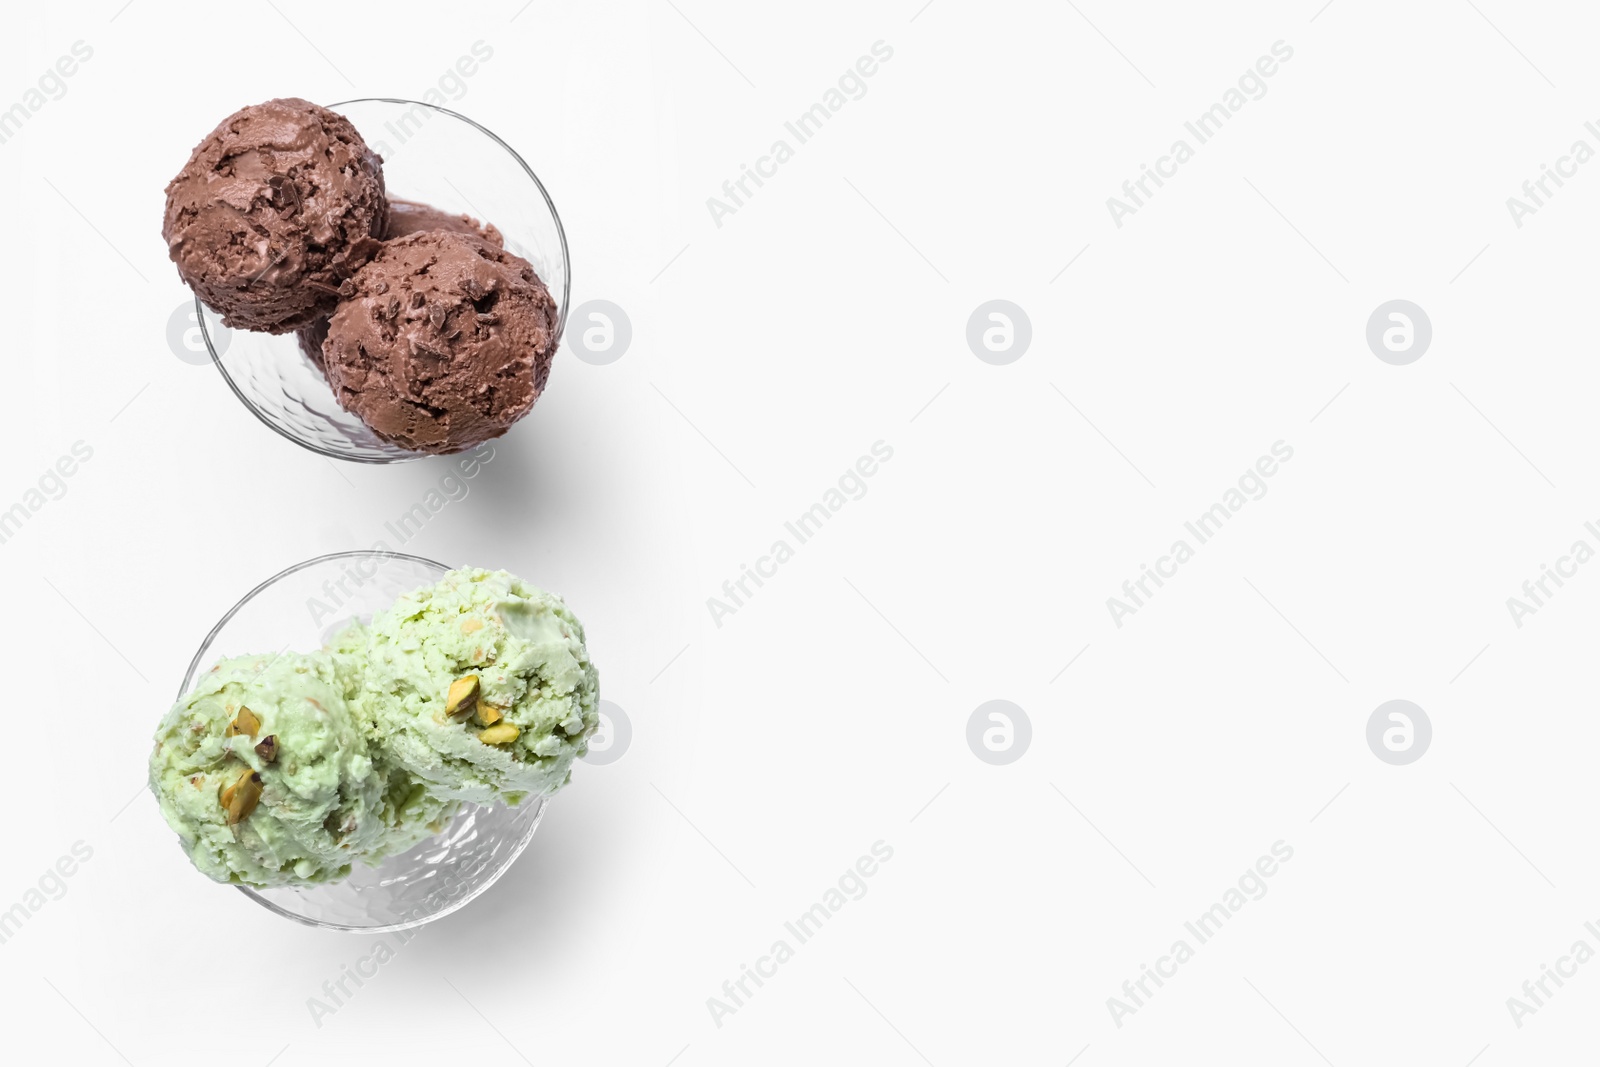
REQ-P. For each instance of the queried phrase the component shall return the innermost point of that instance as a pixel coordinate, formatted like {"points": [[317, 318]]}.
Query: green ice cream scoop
{"points": [[266, 775], [481, 687]]}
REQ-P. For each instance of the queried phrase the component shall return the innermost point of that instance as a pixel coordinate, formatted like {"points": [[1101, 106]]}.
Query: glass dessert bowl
{"points": [[433, 156], [300, 609]]}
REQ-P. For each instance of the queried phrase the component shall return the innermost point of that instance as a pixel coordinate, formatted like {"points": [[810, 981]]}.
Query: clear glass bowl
{"points": [[444, 872], [429, 155]]}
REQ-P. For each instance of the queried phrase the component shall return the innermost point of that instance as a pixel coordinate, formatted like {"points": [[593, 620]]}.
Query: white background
{"points": [[830, 712]]}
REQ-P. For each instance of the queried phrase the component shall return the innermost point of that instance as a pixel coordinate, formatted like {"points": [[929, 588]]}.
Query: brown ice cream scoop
{"points": [[406, 217], [441, 342], [277, 207]]}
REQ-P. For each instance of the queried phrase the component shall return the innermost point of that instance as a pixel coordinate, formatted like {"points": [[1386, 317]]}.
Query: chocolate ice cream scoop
{"points": [[441, 342], [406, 217], [279, 205]]}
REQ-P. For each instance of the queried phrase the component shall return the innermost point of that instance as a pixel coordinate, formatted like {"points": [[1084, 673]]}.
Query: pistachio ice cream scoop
{"points": [[265, 774], [480, 686]]}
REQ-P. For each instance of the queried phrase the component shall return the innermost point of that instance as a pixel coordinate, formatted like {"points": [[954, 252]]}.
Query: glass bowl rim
{"points": [[358, 553], [562, 308]]}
